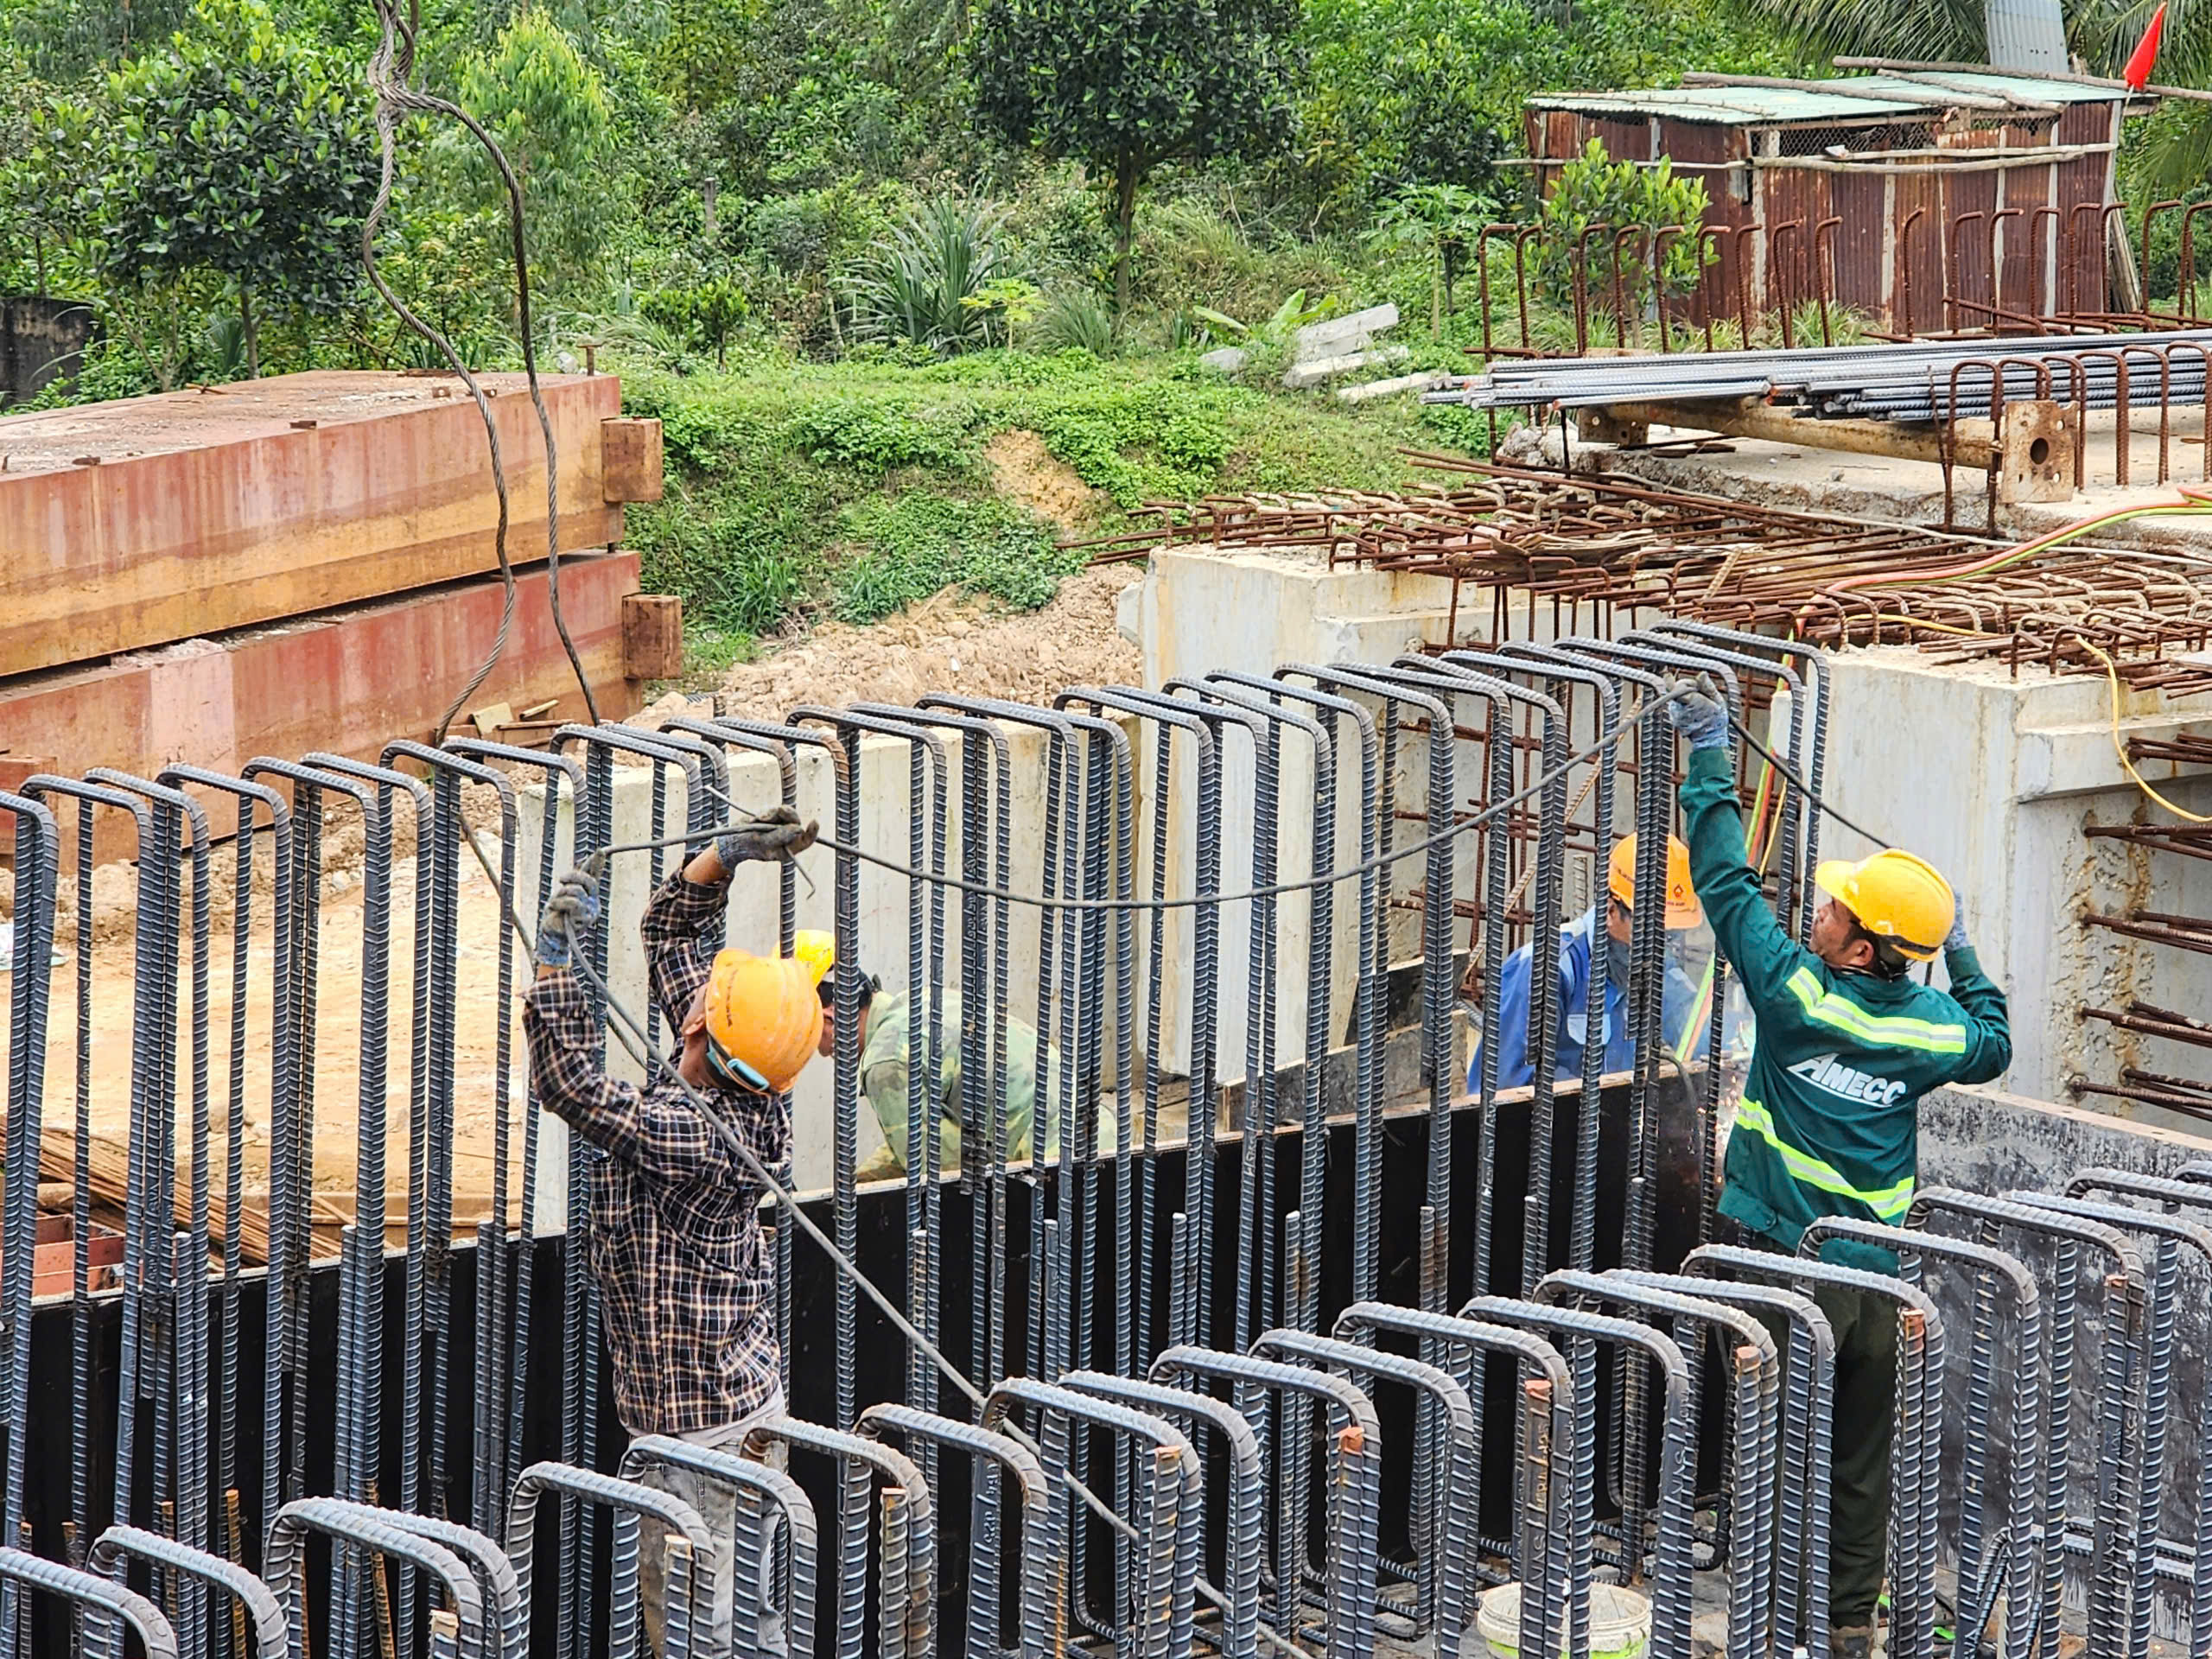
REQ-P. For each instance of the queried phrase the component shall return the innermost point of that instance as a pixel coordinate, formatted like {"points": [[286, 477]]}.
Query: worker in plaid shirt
{"points": [[685, 1281]]}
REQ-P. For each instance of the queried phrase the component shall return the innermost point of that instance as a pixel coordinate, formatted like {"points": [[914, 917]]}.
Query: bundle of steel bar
{"points": [[1917, 381], [1092, 1305], [1597, 552]]}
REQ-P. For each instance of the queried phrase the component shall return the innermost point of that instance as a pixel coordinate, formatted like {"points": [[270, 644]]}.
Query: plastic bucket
{"points": [[1620, 1622]]}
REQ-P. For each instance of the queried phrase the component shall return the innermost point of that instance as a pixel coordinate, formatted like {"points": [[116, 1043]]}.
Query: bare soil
{"points": [[950, 643], [1025, 471]]}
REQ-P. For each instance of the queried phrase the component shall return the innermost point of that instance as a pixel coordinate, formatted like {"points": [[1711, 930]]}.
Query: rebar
{"points": [[1539, 755]]}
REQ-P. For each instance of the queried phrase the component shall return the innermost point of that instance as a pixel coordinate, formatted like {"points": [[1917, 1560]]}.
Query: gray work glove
{"points": [[776, 835], [574, 903], [1700, 717], [1956, 939]]}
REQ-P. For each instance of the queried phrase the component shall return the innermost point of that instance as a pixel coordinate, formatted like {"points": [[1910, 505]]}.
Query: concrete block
{"points": [[245, 504], [1313, 370], [1425, 380], [1229, 359], [1340, 335]]}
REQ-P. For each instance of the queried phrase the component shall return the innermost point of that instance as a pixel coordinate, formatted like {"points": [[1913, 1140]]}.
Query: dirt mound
{"points": [[1024, 471], [953, 644]]}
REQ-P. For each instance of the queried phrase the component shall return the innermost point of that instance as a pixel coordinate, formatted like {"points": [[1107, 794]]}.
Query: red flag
{"points": [[2138, 73]]}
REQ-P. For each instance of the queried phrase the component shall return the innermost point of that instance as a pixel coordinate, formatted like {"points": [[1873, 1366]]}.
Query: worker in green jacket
{"points": [[1829, 1123]]}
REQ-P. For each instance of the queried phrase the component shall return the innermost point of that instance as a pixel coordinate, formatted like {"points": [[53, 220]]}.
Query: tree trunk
{"points": [[1125, 170], [252, 332]]}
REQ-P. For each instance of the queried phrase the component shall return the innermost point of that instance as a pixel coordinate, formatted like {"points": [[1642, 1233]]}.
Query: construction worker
{"points": [[884, 1017], [1684, 1031], [1829, 1122], [685, 1286]]}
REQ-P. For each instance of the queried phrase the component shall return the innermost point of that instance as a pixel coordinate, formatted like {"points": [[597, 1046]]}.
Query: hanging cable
{"points": [[595, 864], [390, 68]]}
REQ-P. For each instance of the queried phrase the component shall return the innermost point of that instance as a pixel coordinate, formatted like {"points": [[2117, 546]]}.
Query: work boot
{"points": [[1854, 1642]]}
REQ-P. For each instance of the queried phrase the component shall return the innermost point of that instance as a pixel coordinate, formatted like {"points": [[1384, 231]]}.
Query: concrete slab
{"points": [[152, 519]]}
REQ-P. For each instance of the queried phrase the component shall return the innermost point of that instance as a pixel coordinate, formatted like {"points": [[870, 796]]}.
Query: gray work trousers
{"points": [[713, 1594]]}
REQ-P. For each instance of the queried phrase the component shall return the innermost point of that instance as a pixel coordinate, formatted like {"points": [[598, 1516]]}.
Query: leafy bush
{"points": [[1076, 321], [1594, 190], [706, 313], [921, 286], [741, 558], [1142, 442], [922, 541], [872, 438]]}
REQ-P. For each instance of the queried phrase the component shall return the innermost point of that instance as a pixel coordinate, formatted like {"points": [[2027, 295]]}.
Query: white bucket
{"points": [[1620, 1622]]}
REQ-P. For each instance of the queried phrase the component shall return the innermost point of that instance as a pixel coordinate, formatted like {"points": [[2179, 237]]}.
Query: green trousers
{"points": [[1864, 1409]]}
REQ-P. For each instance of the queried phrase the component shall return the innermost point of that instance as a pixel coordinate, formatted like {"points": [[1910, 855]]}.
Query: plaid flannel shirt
{"points": [[685, 1284]]}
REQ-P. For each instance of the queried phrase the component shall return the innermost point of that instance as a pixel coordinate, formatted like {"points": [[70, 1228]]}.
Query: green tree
{"points": [[547, 109], [1125, 85], [1440, 222], [1594, 190], [236, 150], [709, 311]]}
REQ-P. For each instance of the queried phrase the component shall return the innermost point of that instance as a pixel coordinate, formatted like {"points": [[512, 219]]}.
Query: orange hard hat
{"points": [[1683, 911], [764, 1021]]}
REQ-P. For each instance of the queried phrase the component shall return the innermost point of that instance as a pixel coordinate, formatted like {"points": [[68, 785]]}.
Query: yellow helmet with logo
{"points": [[817, 949], [1683, 911], [764, 1021], [1896, 897]]}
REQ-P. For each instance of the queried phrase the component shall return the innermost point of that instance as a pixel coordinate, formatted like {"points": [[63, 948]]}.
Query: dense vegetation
{"points": [[838, 246]]}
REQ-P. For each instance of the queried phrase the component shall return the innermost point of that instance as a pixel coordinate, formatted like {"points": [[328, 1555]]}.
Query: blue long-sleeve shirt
{"points": [[1679, 1003]]}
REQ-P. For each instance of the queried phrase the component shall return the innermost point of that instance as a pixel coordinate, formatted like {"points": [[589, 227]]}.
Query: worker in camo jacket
{"points": [[686, 1287], [1829, 1122], [891, 1051]]}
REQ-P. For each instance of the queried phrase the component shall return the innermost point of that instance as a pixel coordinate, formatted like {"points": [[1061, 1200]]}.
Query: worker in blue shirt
{"points": [[1685, 1017]]}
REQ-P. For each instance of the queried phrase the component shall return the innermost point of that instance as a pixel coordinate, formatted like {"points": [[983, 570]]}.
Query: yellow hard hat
{"points": [[1683, 911], [764, 1021], [816, 949], [1896, 897]]}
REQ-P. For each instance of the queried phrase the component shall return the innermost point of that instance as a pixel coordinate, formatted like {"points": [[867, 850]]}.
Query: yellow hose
{"points": [[2112, 677]]}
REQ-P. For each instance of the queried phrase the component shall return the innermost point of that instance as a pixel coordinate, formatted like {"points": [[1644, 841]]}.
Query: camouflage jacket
{"points": [[885, 1076]]}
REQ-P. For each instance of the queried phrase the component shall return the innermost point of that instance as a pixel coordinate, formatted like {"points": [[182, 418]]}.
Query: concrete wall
{"points": [[1197, 612], [753, 784], [1992, 778]]}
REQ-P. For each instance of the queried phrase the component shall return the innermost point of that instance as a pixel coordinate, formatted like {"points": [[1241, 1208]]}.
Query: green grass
{"points": [[857, 488]]}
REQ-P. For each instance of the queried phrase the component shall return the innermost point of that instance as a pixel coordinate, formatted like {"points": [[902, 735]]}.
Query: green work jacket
{"points": [[1829, 1124]]}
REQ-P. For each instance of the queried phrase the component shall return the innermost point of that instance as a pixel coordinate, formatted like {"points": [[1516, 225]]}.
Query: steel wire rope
{"points": [[596, 863], [396, 52], [632, 1035]]}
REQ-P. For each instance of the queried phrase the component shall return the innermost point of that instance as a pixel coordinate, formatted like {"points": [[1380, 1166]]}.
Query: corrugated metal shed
{"points": [[1731, 107], [1842, 98], [1913, 187]]}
